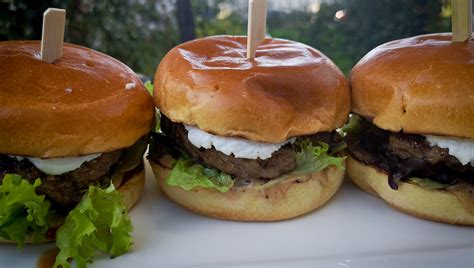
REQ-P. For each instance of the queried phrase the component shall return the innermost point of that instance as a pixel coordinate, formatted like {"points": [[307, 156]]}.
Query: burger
{"points": [[249, 139], [72, 138], [411, 142]]}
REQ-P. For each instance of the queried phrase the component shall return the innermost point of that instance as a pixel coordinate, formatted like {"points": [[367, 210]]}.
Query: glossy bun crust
{"points": [[77, 105], [423, 84], [288, 90]]}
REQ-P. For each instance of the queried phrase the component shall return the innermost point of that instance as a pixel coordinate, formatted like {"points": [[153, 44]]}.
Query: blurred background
{"points": [[140, 32]]}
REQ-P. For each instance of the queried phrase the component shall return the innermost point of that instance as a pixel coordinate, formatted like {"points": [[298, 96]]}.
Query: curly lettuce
{"points": [[427, 183], [149, 87], [353, 127], [189, 175], [23, 213], [98, 223], [310, 158]]}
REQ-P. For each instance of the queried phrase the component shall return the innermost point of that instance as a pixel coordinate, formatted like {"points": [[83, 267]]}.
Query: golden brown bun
{"points": [[423, 84], [288, 198], [76, 106], [289, 89], [431, 204], [132, 190]]}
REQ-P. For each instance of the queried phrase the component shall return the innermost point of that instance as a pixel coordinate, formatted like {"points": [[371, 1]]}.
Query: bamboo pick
{"points": [[461, 20], [256, 28], [52, 38]]}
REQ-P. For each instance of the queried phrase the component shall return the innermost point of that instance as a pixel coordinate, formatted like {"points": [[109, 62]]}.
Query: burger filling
{"points": [[80, 208], [239, 147], [413, 158], [66, 189], [236, 161]]}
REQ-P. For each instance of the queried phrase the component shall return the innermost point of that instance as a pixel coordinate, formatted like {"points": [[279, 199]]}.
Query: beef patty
{"points": [[67, 189], [404, 155], [281, 162]]}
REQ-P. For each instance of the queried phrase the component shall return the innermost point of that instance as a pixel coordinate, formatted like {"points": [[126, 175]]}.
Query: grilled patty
{"points": [[404, 155]]}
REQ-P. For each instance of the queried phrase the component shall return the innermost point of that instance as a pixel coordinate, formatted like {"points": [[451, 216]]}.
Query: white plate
{"points": [[353, 230]]}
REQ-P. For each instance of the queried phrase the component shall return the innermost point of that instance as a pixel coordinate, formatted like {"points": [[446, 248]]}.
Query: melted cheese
{"points": [[58, 166], [239, 147], [462, 149]]}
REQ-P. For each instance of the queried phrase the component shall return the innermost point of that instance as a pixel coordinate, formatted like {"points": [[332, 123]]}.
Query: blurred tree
{"points": [[218, 17], [185, 20], [346, 30], [23, 19], [365, 24], [140, 32], [137, 32]]}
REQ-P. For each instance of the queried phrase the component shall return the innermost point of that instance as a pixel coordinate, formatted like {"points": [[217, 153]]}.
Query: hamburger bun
{"points": [[281, 198], [74, 106], [423, 85], [446, 206], [288, 90], [131, 188]]}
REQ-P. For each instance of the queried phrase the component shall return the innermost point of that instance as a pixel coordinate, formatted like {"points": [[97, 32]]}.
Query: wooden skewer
{"points": [[52, 38], [256, 27], [461, 20]]}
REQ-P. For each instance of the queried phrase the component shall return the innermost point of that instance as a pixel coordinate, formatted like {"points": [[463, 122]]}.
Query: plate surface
{"points": [[353, 230]]}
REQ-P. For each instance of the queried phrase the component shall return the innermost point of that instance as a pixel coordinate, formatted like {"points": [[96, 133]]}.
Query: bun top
{"points": [[289, 89], [423, 84], [83, 103]]}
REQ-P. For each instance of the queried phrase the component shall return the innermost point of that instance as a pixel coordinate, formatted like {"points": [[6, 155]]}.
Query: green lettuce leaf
{"points": [[427, 183], [133, 156], [189, 175], [310, 158], [353, 126], [22, 211], [98, 223], [149, 86], [157, 121]]}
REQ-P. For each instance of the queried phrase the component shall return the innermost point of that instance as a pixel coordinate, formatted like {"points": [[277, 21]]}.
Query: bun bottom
{"points": [[431, 204], [286, 198], [131, 189]]}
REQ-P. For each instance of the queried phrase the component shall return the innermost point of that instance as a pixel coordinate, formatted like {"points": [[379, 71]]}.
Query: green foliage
{"points": [[366, 24], [137, 32], [208, 22]]}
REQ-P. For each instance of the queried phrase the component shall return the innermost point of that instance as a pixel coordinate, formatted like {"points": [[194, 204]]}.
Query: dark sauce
{"points": [[47, 259]]}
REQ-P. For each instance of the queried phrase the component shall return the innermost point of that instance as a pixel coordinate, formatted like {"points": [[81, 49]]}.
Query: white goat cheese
{"points": [[462, 149], [58, 166], [239, 147]]}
